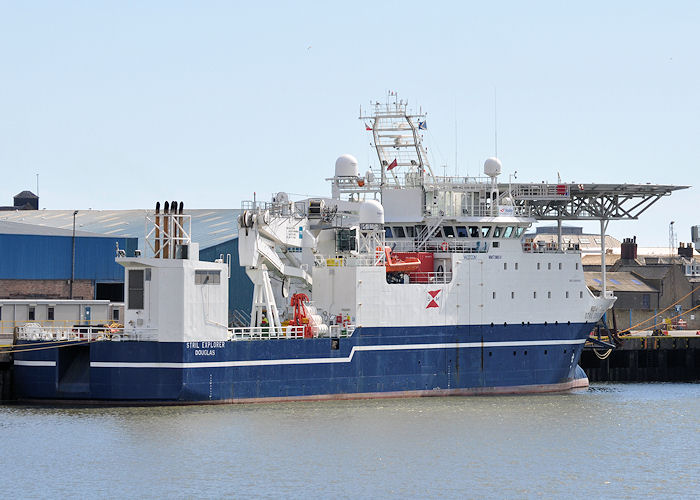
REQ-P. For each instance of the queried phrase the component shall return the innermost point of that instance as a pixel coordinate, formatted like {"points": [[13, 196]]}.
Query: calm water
{"points": [[621, 441]]}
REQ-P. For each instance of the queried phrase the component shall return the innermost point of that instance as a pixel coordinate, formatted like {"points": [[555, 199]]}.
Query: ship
{"points": [[400, 283]]}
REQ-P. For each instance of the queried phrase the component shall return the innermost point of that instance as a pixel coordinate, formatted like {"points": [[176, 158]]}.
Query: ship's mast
{"points": [[397, 139]]}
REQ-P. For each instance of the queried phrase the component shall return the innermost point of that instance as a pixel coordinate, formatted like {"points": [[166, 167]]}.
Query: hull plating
{"points": [[374, 362]]}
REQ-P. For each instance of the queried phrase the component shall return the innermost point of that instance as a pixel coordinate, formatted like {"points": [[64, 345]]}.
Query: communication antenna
{"points": [[495, 123], [456, 140]]}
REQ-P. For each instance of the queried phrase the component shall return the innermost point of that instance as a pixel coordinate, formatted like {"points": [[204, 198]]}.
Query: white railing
{"points": [[449, 245], [265, 332], [352, 261], [285, 332], [90, 333], [542, 247], [444, 277]]}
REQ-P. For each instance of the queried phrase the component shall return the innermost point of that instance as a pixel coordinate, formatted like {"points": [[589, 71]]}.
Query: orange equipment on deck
{"points": [[396, 265], [301, 315]]}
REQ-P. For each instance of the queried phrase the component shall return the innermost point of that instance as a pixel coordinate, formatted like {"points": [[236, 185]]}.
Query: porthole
{"points": [[513, 353], [525, 353], [545, 352]]}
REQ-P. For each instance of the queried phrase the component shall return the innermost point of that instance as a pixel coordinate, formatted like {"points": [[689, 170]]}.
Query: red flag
{"points": [[392, 164], [367, 127]]}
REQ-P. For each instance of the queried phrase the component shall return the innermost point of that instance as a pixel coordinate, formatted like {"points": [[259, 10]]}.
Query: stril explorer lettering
{"points": [[205, 348]]}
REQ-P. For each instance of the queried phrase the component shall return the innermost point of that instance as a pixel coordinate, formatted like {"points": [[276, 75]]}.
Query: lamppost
{"points": [[72, 263]]}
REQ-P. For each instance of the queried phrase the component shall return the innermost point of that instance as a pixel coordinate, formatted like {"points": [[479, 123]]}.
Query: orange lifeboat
{"points": [[396, 265]]}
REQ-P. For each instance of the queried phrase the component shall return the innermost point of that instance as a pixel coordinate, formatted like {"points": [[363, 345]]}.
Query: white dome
{"points": [[371, 212], [346, 166], [492, 167]]}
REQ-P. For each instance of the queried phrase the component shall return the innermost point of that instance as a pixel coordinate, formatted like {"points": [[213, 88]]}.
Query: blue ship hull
{"points": [[373, 362]]}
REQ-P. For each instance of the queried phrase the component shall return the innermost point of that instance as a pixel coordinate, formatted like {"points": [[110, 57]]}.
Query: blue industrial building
{"points": [[215, 230], [40, 255]]}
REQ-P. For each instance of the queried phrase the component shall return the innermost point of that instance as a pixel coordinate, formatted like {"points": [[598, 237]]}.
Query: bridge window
{"points": [[388, 233], [497, 231], [474, 231], [410, 231], [508, 232], [519, 231], [461, 231], [485, 230], [449, 231], [399, 232]]}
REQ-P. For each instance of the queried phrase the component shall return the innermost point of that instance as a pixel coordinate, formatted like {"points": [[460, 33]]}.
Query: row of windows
{"points": [[31, 313], [534, 295], [457, 231]]}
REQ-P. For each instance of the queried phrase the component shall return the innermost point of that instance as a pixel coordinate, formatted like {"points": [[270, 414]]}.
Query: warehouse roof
{"points": [[7, 227], [209, 226], [617, 282]]}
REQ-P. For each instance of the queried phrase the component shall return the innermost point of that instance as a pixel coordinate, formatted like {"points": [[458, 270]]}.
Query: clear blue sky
{"points": [[120, 104]]}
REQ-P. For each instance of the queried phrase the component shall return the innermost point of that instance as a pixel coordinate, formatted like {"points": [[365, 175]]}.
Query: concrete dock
{"points": [[645, 358]]}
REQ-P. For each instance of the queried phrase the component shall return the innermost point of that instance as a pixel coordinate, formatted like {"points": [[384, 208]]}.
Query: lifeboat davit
{"points": [[396, 265]]}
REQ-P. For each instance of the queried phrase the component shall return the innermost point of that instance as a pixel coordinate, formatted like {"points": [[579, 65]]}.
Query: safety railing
{"points": [[90, 333], [543, 247], [435, 246], [439, 277], [352, 261], [265, 332], [286, 332]]}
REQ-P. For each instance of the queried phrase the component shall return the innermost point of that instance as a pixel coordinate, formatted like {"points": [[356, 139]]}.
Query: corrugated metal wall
{"points": [[49, 257]]}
